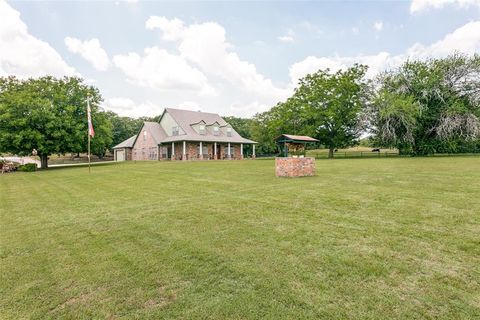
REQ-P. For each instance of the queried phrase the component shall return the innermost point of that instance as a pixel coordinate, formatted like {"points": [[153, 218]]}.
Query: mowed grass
{"points": [[365, 238]]}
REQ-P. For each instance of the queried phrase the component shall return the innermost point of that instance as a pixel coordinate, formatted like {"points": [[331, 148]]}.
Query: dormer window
{"points": [[216, 130], [175, 131], [201, 129], [229, 132]]}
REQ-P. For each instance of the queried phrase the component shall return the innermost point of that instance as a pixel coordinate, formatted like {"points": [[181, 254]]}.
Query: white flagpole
{"points": [[88, 130]]}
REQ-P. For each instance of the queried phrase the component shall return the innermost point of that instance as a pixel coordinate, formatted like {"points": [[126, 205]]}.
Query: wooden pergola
{"points": [[285, 140]]}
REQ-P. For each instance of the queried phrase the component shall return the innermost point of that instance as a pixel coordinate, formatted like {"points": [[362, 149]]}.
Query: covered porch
{"points": [[204, 150]]}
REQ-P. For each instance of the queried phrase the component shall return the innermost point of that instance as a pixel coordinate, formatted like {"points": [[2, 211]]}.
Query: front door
{"points": [[219, 151], [169, 152]]}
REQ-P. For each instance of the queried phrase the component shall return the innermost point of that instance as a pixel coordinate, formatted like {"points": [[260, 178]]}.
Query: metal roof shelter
{"points": [[285, 140]]}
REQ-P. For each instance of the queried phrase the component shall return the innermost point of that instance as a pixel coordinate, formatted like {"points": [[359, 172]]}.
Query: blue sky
{"points": [[234, 58]]}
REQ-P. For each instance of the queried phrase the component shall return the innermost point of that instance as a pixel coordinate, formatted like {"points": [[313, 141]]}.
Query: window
{"points": [[204, 149], [229, 132], [175, 131], [144, 135], [164, 152], [152, 154], [216, 131], [201, 129]]}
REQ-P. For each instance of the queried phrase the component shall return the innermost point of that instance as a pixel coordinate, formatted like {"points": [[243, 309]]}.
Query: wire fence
{"points": [[369, 154], [355, 154]]}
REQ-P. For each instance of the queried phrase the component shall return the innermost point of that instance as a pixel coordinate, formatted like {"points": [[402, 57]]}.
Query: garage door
{"points": [[120, 155]]}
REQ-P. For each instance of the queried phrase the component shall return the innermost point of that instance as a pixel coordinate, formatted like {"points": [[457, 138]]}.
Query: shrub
{"points": [[29, 167]]}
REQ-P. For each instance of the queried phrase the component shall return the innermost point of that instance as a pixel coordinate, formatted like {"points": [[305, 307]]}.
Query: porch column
{"points": [[184, 155], [173, 150], [241, 150], [253, 151], [215, 151], [229, 154], [201, 150]]}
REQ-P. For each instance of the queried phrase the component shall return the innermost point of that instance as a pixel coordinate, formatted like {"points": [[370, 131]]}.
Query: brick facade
{"points": [[294, 167], [145, 147], [192, 151]]}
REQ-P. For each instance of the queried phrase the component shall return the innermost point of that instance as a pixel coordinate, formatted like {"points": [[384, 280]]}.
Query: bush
{"points": [[29, 167]]}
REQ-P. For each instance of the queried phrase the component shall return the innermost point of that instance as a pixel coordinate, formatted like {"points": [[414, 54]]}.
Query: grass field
{"points": [[365, 238]]}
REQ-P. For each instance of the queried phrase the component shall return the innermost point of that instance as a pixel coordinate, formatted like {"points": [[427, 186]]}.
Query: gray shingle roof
{"points": [[156, 130], [127, 143], [186, 118]]}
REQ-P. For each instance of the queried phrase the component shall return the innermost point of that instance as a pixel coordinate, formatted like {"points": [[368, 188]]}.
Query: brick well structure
{"points": [[294, 167]]}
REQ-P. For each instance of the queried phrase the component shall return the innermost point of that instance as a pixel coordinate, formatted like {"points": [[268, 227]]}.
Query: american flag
{"points": [[91, 132]]}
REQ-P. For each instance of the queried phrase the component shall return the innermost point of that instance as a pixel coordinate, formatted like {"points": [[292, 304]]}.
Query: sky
{"points": [[231, 58]]}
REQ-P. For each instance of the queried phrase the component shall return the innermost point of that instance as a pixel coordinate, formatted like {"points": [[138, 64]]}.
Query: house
{"points": [[184, 135]]}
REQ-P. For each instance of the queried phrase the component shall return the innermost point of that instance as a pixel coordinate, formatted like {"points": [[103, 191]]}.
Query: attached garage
{"points": [[123, 150], [120, 155]]}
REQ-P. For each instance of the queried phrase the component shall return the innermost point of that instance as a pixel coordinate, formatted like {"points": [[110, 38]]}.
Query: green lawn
{"points": [[365, 238]]}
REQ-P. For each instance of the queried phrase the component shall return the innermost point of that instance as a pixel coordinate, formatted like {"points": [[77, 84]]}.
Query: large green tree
{"points": [[429, 106], [123, 127], [334, 105], [328, 106], [49, 115]]}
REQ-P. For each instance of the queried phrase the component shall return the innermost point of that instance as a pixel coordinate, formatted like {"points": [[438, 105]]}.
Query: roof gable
{"points": [[126, 143], [188, 121], [154, 129]]}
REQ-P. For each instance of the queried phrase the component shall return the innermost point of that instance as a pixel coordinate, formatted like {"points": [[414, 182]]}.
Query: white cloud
{"points": [[23, 55], [189, 105], [205, 46], [158, 69], [249, 108], [172, 29], [355, 30], [376, 63], [378, 26], [465, 39], [423, 5], [288, 37], [128, 108], [90, 50]]}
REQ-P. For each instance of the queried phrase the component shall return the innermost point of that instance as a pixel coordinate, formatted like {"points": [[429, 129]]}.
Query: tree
{"points": [[333, 106], [103, 134], [49, 115], [241, 125], [285, 117], [123, 127], [328, 106], [429, 106]]}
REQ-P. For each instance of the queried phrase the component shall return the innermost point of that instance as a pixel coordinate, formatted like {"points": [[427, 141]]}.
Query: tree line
{"points": [[422, 107]]}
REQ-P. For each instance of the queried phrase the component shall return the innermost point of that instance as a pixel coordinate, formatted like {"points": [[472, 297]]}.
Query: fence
{"points": [[355, 154]]}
